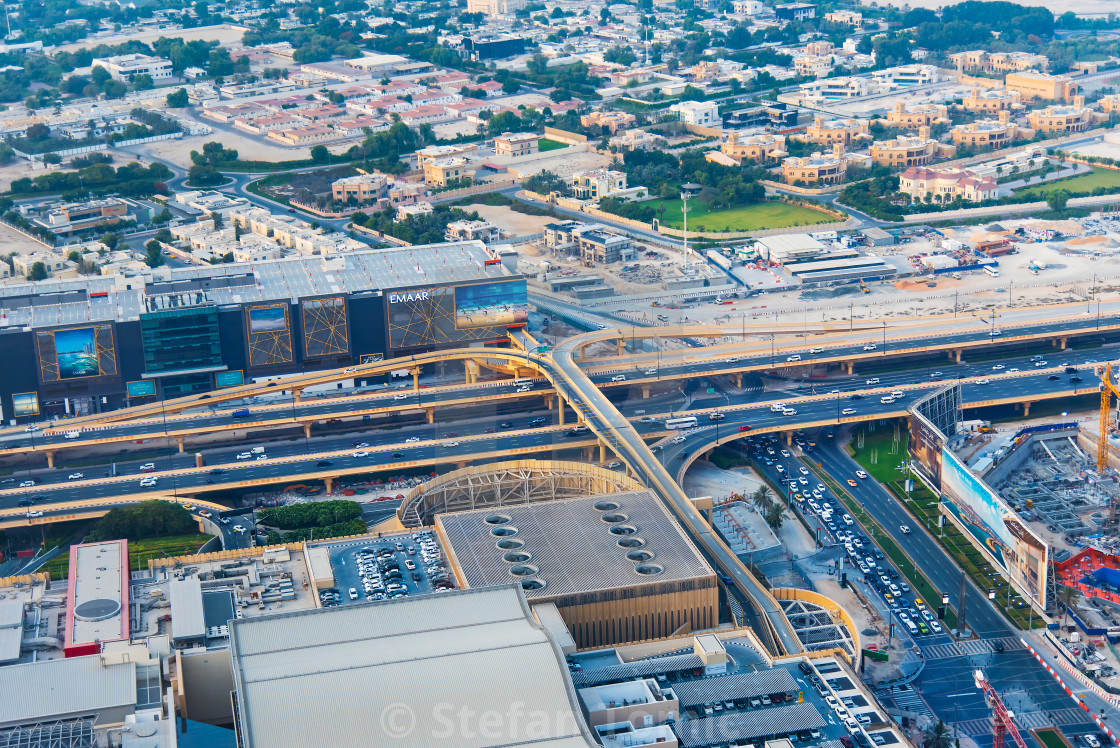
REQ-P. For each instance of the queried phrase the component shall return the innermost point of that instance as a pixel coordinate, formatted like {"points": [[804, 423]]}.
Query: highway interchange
{"points": [[608, 402]]}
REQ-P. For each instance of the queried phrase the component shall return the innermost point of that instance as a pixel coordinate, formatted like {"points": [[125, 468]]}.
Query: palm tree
{"points": [[763, 498], [775, 516], [937, 736]]}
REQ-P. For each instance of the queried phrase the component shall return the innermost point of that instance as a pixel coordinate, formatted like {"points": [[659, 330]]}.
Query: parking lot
{"points": [[386, 568]]}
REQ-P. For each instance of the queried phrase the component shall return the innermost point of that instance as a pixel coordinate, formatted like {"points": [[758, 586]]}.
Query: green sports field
{"points": [[755, 217], [544, 144], [1083, 183]]}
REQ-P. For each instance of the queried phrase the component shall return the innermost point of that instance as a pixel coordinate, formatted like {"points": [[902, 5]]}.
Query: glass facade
{"points": [[179, 340]]}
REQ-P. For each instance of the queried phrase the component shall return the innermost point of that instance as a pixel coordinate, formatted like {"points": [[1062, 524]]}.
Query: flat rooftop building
{"points": [[97, 597], [402, 672], [619, 568]]}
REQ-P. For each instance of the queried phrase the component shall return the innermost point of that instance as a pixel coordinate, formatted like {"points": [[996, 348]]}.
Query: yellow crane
{"points": [[1108, 389]]}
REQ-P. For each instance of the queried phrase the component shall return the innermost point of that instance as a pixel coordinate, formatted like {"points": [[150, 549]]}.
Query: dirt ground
{"points": [[248, 147], [512, 222], [563, 166], [226, 35]]}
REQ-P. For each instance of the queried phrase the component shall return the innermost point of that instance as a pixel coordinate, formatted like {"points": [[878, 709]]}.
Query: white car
{"points": [[451, 444], [897, 394], [147, 482], [861, 474], [1013, 370], [238, 529], [886, 399], [904, 529], [789, 412], [731, 360], [412, 439], [400, 396], [869, 347], [848, 412], [35, 513], [794, 357], [997, 367], [27, 484], [262, 457], [76, 476], [816, 350], [618, 378], [777, 407], [244, 456], [360, 454], [982, 381], [650, 372], [873, 380], [996, 332]]}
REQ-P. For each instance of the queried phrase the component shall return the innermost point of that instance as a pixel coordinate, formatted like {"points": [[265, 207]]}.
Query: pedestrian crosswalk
{"points": [[910, 701], [970, 647], [1025, 721]]}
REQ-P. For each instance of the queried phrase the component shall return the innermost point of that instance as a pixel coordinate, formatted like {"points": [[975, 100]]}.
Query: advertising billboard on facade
{"points": [[995, 527], [268, 335], [25, 404], [141, 388], [267, 319], [234, 378], [76, 353], [495, 304]]}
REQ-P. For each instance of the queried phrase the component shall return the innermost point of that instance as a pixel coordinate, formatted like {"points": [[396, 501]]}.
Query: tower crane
{"points": [[1002, 723], [1108, 389]]}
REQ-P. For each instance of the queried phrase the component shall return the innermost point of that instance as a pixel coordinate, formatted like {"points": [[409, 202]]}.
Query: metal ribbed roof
{"points": [[571, 546], [55, 688], [187, 619], [741, 686], [638, 669], [401, 671], [729, 727]]}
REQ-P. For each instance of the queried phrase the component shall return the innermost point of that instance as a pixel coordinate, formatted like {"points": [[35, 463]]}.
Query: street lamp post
{"points": [[689, 190]]}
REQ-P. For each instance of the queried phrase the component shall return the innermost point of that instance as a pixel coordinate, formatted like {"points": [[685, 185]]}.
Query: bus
{"points": [[523, 382], [687, 422], [991, 271]]}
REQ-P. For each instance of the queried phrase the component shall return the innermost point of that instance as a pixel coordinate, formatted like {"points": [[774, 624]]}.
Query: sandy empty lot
{"points": [[509, 221], [226, 35]]}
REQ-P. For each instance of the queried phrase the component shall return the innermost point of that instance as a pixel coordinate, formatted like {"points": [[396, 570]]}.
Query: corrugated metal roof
{"points": [[638, 669], [572, 545], [51, 688], [741, 686], [729, 727], [10, 639], [187, 618], [403, 671]]}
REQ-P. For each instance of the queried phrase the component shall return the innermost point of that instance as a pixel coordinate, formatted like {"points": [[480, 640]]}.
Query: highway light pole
{"points": [[689, 190]]}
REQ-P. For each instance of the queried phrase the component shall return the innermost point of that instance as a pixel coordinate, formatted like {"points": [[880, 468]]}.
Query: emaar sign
{"points": [[407, 296]]}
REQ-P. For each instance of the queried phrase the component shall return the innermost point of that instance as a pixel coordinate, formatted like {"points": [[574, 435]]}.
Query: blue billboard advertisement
{"points": [[25, 404], [994, 527], [234, 378], [142, 388], [77, 353], [496, 304]]}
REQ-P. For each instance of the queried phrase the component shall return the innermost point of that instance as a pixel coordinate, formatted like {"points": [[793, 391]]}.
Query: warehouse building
{"points": [[401, 671], [99, 343], [618, 568]]}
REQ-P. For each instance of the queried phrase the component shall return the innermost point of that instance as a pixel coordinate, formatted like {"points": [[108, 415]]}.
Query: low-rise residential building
{"points": [[980, 61], [1075, 118], [72, 218], [917, 115], [844, 131], [946, 185], [436, 152], [764, 148], [908, 150], [597, 245], [205, 202], [833, 89], [309, 135], [54, 263], [905, 76], [636, 139], [516, 144], [992, 100], [610, 122], [1109, 104], [819, 168], [125, 68], [414, 209], [597, 184], [441, 171], [795, 11], [494, 8], [460, 231], [989, 133], [362, 187], [1022, 162], [703, 113], [1031, 84], [816, 66], [845, 18]]}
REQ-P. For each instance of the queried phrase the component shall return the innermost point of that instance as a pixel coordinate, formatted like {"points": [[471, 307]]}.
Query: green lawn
{"points": [[1083, 183], [544, 144], [768, 215], [139, 552], [1051, 738]]}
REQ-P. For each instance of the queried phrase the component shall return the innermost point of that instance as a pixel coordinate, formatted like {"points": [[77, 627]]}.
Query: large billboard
{"points": [[269, 334], [77, 353], [25, 404], [493, 304], [995, 527], [926, 444], [326, 327], [448, 315]]}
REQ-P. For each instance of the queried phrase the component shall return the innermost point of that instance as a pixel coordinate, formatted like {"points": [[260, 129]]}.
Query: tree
{"points": [[112, 241], [52, 158], [155, 253], [1057, 199], [178, 99], [142, 82], [775, 516], [763, 498], [320, 154], [38, 272], [216, 217], [148, 519], [937, 736], [510, 86]]}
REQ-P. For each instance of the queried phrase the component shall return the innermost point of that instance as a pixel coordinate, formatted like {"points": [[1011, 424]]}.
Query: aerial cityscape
{"points": [[497, 373]]}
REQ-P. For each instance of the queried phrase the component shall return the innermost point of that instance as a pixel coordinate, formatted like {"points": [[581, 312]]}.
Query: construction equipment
{"points": [[1002, 722], [1108, 389], [863, 286]]}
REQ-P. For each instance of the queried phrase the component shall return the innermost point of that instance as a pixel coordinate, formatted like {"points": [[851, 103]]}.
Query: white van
{"points": [[73, 434], [873, 380], [257, 450]]}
